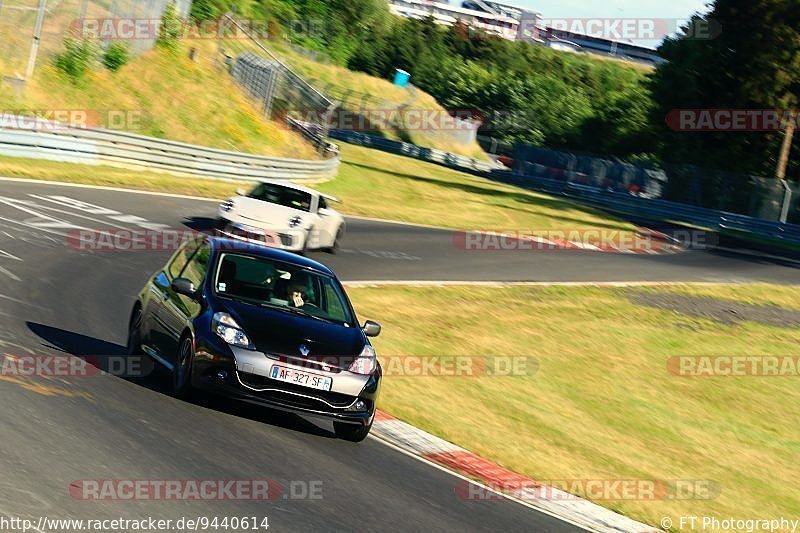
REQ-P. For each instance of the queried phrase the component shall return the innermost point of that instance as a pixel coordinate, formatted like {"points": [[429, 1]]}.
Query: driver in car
{"points": [[296, 294]]}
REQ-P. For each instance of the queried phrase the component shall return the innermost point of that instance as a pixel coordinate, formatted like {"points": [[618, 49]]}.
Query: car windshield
{"points": [[280, 285], [281, 195]]}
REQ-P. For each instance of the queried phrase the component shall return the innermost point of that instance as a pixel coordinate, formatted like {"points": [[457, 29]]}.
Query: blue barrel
{"points": [[401, 78]]}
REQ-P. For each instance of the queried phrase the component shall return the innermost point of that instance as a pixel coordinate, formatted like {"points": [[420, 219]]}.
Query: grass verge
{"points": [[162, 94], [370, 183], [377, 184], [372, 96], [602, 404]]}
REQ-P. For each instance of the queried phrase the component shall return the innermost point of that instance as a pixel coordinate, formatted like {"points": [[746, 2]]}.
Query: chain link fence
{"points": [[765, 198], [282, 94], [105, 20]]}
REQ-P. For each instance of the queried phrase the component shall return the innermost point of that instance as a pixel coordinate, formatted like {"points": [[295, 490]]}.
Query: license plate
{"points": [[304, 379]]}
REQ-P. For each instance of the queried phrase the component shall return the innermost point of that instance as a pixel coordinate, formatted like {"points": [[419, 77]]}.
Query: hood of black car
{"points": [[279, 332]]}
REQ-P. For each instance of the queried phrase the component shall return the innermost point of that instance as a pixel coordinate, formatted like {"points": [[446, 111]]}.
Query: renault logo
{"points": [[304, 350]]}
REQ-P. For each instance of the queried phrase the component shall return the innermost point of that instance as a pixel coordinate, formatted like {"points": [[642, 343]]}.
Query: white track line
{"points": [[9, 274], [501, 284], [3, 253], [107, 188], [459, 476]]}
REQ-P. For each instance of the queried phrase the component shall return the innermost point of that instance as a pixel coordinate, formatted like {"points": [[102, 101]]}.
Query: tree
{"points": [[751, 64]]}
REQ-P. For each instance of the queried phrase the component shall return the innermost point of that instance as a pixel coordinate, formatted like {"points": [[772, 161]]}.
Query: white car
{"points": [[282, 215]]}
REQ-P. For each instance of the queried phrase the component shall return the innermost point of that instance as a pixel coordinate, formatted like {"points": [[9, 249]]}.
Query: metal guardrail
{"points": [[431, 155], [116, 148], [653, 208], [618, 202]]}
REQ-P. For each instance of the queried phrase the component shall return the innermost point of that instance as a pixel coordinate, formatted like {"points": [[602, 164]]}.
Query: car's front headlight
{"points": [[227, 205], [228, 330], [365, 363]]}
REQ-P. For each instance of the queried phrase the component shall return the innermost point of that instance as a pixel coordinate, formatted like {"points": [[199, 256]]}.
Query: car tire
{"points": [[182, 373], [351, 432], [134, 344], [307, 243], [336, 241]]}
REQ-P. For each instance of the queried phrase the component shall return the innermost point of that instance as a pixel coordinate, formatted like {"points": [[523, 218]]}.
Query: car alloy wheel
{"points": [[134, 339], [182, 373]]}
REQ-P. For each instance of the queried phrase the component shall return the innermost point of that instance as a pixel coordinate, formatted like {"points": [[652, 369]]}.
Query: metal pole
{"points": [[37, 36], [787, 198], [783, 158]]}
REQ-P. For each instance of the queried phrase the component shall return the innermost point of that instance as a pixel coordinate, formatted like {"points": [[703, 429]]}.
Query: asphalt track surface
{"points": [[56, 299]]}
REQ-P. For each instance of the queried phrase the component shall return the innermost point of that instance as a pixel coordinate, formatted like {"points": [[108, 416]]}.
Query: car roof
{"points": [[222, 244], [298, 187]]}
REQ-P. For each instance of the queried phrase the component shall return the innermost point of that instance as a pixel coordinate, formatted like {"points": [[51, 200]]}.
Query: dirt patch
{"points": [[724, 311]]}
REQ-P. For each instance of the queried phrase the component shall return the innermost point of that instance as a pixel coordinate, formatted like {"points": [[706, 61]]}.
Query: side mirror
{"points": [[185, 287], [371, 329]]}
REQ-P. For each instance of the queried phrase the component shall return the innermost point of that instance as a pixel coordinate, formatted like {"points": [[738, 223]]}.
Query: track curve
{"points": [[54, 299]]}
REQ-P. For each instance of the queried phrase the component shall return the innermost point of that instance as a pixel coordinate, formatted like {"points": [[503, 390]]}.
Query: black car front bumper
{"points": [[217, 373]]}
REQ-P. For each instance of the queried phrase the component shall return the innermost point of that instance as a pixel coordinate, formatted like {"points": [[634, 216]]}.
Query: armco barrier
{"points": [[652, 208], [617, 202], [116, 148], [431, 155]]}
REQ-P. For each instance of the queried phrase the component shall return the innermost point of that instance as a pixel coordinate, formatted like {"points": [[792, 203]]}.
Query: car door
{"points": [[160, 292], [157, 337], [327, 225], [178, 310]]}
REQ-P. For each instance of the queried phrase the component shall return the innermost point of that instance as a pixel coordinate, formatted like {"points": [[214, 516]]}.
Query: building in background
{"points": [[447, 15], [519, 24], [495, 8], [576, 42]]}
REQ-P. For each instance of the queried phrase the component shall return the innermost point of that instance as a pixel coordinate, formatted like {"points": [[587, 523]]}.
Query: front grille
{"points": [[286, 239], [310, 364], [244, 234], [310, 399]]}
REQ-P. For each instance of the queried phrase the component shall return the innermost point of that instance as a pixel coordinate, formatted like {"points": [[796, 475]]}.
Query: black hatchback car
{"points": [[260, 325]]}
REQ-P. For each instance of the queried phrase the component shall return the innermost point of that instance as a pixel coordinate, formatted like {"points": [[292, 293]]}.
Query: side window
{"points": [[334, 304], [181, 258], [322, 203], [257, 192], [196, 269]]}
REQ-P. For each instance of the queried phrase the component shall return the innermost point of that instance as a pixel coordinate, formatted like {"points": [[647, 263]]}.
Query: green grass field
{"points": [[370, 183], [602, 405], [378, 184]]}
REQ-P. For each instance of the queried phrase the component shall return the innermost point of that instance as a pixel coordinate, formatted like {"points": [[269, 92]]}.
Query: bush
{"points": [[115, 56], [169, 33], [78, 56]]}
